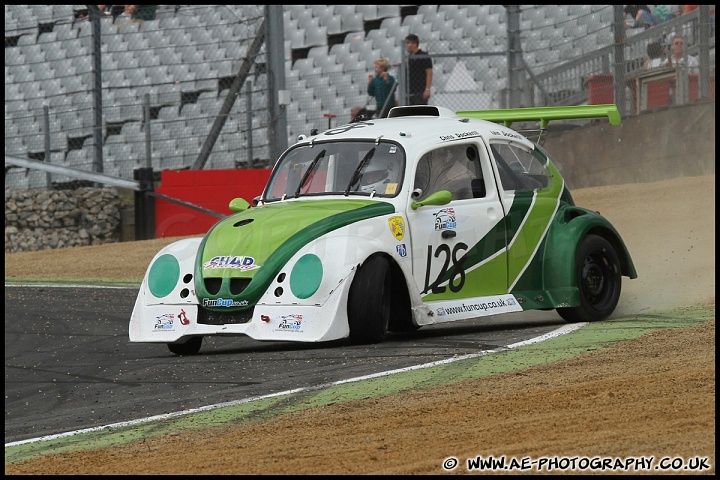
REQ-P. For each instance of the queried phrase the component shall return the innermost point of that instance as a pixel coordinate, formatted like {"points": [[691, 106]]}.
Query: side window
{"points": [[455, 168], [519, 169]]}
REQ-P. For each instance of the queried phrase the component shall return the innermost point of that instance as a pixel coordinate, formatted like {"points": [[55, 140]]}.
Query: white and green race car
{"points": [[424, 217]]}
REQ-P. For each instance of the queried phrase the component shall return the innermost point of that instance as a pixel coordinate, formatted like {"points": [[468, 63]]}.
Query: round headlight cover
{"points": [[163, 276], [306, 276]]}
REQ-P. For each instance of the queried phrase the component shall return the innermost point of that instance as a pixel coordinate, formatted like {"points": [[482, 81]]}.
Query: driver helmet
{"points": [[374, 177]]}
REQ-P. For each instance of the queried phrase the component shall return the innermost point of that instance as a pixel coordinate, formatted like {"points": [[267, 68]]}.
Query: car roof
{"points": [[420, 127]]}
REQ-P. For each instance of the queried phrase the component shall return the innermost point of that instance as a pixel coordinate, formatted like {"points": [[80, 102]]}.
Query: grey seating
{"points": [[368, 12], [351, 22], [386, 11], [315, 36]]}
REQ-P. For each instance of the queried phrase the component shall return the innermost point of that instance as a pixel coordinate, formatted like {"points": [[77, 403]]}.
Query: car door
{"points": [[529, 194], [458, 249]]}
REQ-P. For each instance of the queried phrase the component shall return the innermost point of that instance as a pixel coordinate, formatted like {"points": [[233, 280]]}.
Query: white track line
{"points": [[565, 329]]}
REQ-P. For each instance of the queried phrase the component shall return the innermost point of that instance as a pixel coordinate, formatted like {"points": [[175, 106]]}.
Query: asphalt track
{"points": [[69, 365]]}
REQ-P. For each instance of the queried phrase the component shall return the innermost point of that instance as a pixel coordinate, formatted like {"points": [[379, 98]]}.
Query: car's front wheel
{"points": [[369, 302], [598, 276], [190, 347]]}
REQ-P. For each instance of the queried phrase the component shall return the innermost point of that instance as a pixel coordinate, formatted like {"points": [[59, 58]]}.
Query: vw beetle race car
{"points": [[424, 217]]}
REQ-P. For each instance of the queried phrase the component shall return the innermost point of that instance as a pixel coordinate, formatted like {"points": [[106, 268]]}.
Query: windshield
{"points": [[340, 168]]}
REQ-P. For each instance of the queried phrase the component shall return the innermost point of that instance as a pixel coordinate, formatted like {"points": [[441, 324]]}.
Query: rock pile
{"points": [[42, 219]]}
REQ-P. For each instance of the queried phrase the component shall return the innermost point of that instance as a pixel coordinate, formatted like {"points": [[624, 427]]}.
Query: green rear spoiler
{"points": [[509, 115]]}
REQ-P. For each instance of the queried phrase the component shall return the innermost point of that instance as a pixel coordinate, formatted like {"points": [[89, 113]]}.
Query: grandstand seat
{"points": [[334, 73], [315, 36], [428, 10], [574, 31], [340, 50], [387, 11], [326, 61], [305, 18], [368, 12], [16, 178], [294, 11], [453, 12], [333, 23], [451, 33], [322, 11], [126, 61], [344, 9], [390, 24], [438, 21], [377, 34], [78, 158], [297, 38], [390, 51], [365, 48], [305, 66], [578, 10], [412, 21], [351, 22]]}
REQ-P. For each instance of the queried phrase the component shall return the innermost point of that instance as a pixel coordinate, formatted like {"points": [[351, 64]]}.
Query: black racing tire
{"points": [[598, 276], [369, 302], [190, 347]]}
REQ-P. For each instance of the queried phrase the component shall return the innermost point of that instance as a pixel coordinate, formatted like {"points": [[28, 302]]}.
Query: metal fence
{"points": [[153, 95]]}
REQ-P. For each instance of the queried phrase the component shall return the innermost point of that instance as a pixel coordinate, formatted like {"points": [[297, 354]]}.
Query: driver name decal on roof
{"points": [[455, 136], [506, 134], [243, 263]]}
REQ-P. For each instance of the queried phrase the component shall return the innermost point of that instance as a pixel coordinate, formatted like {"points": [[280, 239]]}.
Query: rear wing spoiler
{"points": [[544, 114]]}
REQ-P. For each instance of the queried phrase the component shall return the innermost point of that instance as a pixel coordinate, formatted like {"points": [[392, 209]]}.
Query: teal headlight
{"points": [[306, 276], [164, 275]]}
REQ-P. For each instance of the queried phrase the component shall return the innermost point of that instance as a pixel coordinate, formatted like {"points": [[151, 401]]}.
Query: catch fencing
{"points": [[197, 82]]}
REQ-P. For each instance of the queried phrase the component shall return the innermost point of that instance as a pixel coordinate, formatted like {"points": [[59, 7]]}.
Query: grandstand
{"points": [[181, 66]]}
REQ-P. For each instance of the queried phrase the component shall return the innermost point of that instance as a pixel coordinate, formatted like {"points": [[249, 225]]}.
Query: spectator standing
{"points": [[657, 56], [420, 72], [663, 13], [639, 16], [678, 57], [139, 13], [113, 11], [380, 85]]}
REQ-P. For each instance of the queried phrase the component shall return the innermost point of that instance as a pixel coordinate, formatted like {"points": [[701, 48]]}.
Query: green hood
{"points": [[244, 252]]}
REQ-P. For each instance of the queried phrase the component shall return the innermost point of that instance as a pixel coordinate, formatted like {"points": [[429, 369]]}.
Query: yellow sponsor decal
{"points": [[397, 227]]}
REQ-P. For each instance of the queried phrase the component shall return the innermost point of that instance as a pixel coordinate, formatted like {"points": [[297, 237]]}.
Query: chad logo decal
{"points": [[397, 227]]}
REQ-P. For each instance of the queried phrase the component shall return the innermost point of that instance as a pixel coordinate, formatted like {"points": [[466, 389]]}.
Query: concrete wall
{"points": [[667, 143]]}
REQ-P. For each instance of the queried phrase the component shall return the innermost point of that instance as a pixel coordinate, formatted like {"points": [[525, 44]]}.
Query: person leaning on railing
{"points": [[678, 57]]}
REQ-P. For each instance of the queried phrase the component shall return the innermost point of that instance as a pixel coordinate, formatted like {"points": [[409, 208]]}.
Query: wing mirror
{"points": [[441, 197], [238, 205]]}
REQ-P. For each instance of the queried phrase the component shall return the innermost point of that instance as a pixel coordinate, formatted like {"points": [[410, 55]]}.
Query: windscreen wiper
{"points": [[356, 174], [310, 168]]}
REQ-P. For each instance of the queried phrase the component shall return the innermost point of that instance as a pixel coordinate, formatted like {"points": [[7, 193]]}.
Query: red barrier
{"points": [[660, 92], [210, 189]]}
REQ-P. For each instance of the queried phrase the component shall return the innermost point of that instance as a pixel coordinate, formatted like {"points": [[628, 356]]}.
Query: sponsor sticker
{"points": [[397, 227], [445, 219], [401, 250], [290, 323], [223, 302], [239, 262], [164, 322]]}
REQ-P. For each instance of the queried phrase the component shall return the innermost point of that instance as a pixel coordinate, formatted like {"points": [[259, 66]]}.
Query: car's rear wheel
{"points": [[598, 277], [190, 347], [369, 302]]}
